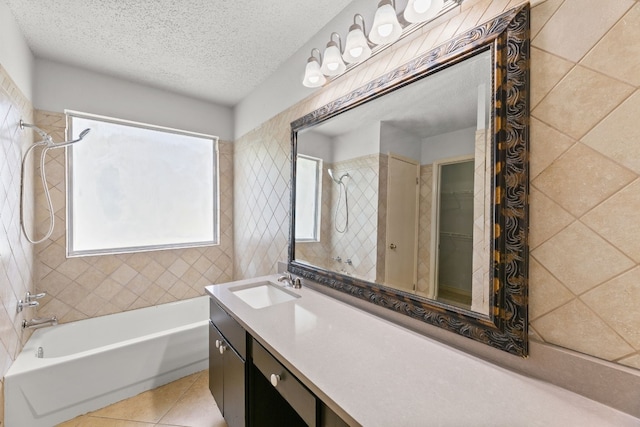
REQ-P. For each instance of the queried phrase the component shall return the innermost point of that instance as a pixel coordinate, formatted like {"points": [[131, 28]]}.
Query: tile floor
{"points": [[186, 402]]}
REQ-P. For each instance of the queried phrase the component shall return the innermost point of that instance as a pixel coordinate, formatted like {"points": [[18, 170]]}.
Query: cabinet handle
{"points": [[275, 378], [218, 343], [222, 348], [392, 246]]}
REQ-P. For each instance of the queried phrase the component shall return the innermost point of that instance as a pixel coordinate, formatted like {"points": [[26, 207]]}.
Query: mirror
{"points": [[411, 192]]}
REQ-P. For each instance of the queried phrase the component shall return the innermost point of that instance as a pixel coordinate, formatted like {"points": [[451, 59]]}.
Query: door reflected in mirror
{"points": [[403, 193]]}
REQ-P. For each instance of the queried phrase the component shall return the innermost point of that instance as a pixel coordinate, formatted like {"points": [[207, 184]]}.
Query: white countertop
{"points": [[382, 374]]}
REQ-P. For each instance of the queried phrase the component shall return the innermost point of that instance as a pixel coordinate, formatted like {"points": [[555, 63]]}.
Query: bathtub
{"points": [[92, 363]]}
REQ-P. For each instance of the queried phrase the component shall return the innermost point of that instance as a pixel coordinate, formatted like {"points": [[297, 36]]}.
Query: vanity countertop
{"points": [[382, 374]]}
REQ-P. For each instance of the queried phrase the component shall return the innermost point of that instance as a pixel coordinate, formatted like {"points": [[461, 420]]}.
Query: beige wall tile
{"points": [[548, 145], [620, 42], [572, 38], [547, 218], [546, 71], [613, 136], [617, 303], [618, 220], [575, 326], [583, 98], [548, 294], [631, 361], [581, 179], [580, 258]]}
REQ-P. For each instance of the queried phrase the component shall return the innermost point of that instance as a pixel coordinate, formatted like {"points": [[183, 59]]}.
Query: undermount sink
{"points": [[263, 294]]}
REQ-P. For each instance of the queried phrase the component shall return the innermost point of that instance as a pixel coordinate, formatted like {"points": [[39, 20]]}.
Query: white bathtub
{"points": [[95, 362]]}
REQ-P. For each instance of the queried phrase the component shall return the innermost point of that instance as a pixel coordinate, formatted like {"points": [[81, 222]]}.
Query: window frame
{"points": [[71, 252], [318, 198]]}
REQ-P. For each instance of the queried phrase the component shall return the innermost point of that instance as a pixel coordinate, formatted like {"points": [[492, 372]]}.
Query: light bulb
{"points": [[356, 48], [422, 10], [386, 28]]}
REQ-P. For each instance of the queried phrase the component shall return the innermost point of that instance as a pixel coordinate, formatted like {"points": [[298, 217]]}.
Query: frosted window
{"points": [[308, 198], [135, 187]]}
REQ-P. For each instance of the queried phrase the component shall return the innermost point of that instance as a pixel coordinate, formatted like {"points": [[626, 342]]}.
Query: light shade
{"points": [[386, 28], [422, 10], [356, 49], [313, 77], [332, 64]]}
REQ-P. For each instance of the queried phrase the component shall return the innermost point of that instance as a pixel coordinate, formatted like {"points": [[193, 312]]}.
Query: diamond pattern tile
{"points": [[581, 85], [97, 285]]}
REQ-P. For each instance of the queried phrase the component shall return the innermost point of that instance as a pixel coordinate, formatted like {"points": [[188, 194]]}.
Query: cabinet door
{"points": [[216, 367], [234, 389]]}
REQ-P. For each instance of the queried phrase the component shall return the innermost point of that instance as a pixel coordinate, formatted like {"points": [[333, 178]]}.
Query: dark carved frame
{"points": [[506, 325]]}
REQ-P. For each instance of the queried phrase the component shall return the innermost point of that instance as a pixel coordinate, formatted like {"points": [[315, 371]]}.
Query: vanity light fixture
{"points": [[332, 64], [386, 27], [421, 10], [356, 48], [313, 77]]}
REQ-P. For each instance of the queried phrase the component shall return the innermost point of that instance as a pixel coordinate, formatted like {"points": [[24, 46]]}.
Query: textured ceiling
{"points": [[217, 50]]}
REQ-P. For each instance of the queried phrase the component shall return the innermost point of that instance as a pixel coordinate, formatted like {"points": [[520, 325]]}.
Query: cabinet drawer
{"points": [[296, 394], [229, 327]]}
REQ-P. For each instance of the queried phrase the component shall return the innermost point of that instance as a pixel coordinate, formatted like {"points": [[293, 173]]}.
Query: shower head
{"points": [[67, 143], [337, 181]]}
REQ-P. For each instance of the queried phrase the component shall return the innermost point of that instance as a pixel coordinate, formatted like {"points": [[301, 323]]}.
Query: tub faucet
{"points": [[29, 301], [39, 322]]}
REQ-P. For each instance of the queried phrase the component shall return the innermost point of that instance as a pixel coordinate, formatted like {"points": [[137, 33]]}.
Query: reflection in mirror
{"points": [[425, 211], [402, 197]]}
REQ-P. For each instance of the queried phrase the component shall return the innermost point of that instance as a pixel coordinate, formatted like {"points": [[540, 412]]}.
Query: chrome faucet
{"points": [[29, 301], [39, 322], [290, 282]]}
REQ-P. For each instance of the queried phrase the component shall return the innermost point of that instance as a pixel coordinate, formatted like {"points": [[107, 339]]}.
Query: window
{"points": [[308, 193], [135, 187]]}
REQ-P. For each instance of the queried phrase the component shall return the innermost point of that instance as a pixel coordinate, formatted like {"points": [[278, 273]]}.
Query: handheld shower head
{"points": [[84, 133], [336, 180], [67, 143]]}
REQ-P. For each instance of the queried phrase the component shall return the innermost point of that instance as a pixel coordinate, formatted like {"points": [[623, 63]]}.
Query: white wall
{"points": [[58, 87], [15, 55], [316, 145], [357, 143], [452, 144], [284, 87], [398, 141]]}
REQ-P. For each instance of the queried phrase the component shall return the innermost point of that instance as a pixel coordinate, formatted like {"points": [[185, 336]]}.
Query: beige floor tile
{"points": [[196, 408], [149, 406], [88, 421]]}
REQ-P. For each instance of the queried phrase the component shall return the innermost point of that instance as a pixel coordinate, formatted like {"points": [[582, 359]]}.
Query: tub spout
{"points": [[39, 322]]}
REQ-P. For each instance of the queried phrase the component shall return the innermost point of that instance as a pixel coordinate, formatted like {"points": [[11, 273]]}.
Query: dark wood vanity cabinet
{"points": [[227, 366], [251, 387]]}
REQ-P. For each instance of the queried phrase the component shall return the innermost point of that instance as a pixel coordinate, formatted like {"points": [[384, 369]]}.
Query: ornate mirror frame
{"points": [[505, 327]]}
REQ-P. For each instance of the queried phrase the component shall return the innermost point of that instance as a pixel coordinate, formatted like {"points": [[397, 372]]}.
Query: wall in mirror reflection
{"points": [[403, 198]]}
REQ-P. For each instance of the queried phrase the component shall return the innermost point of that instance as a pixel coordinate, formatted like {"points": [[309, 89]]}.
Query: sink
{"points": [[263, 294]]}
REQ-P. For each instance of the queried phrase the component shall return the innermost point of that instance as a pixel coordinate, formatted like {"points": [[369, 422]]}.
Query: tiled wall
{"points": [[585, 169], [358, 242], [16, 254], [84, 287]]}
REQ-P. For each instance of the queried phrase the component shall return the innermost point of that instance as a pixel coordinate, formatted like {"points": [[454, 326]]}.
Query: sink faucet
{"points": [[290, 282]]}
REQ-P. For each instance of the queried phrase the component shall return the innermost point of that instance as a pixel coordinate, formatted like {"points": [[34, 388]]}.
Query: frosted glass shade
{"points": [[332, 64], [422, 10], [313, 77], [386, 28], [356, 48]]}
